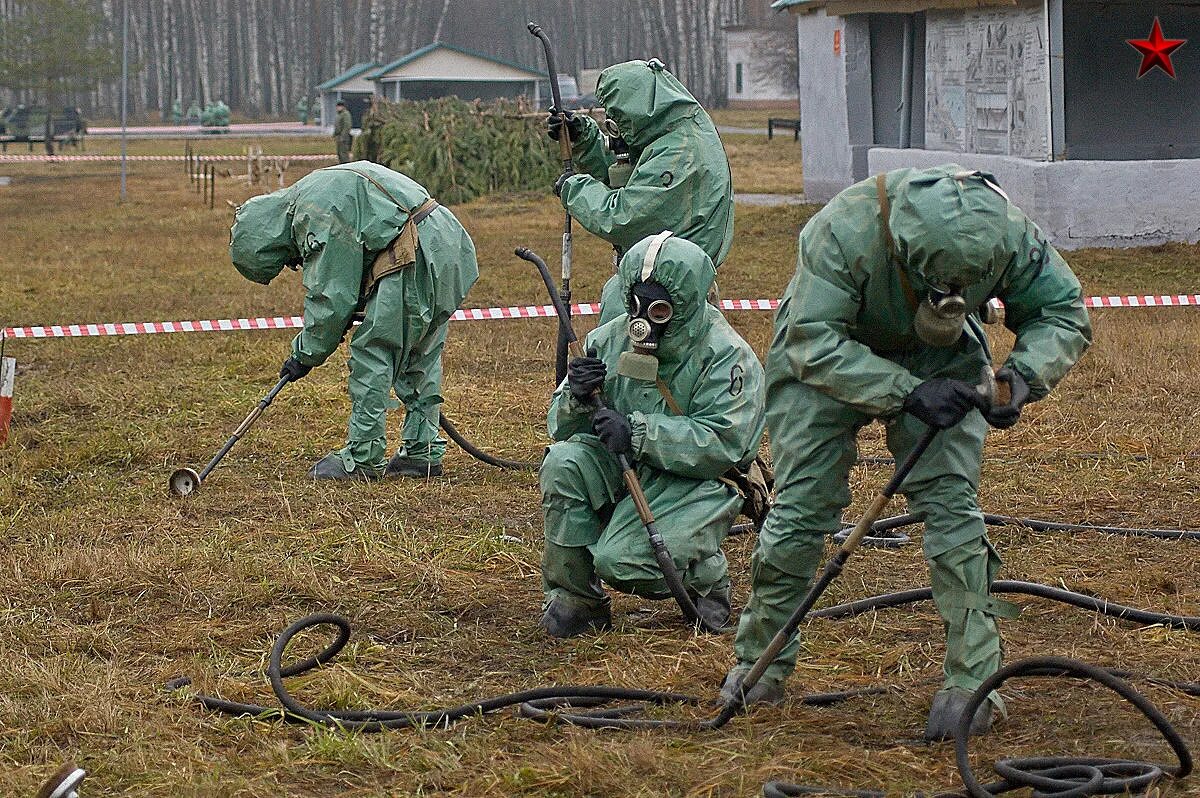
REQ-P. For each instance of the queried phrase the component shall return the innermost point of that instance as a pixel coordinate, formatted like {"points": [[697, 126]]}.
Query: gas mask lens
{"points": [[611, 129], [658, 311]]}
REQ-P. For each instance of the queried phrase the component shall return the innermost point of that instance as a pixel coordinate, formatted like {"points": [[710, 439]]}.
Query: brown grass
{"points": [[108, 587]]}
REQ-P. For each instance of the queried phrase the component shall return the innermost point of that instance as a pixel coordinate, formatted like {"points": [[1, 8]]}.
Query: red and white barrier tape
{"points": [[6, 158], [8, 370], [470, 314]]}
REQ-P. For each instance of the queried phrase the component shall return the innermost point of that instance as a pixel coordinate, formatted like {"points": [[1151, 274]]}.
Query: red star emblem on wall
{"points": [[1156, 51]]}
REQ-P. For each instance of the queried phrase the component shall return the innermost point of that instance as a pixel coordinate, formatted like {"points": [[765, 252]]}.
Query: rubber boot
{"points": [[331, 467], [715, 607], [765, 691], [400, 466], [561, 619], [948, 706]]}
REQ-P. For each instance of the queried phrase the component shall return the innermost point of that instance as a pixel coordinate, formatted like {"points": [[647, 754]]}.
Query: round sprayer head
{"points": [[63, 783], [184, 482]]}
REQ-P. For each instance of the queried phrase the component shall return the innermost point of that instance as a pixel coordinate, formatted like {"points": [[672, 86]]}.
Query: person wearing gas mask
{"points": [[684, 400], [881, 321], [372, 246], [658, 165]]}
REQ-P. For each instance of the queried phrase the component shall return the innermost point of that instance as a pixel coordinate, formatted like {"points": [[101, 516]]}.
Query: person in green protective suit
{"points": [[881, 321], [705, 417], [341, 132], [680, 177], [371, 244]]}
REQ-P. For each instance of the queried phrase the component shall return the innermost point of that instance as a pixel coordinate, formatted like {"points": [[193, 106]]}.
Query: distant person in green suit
{"points": [[177, 113], [341, 133], [302, 111], [193, 115]]}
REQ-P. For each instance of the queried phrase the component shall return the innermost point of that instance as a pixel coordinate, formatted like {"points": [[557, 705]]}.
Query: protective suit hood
{"points": [[644, 99], [950, 226], [260, 241], [687, 273]]}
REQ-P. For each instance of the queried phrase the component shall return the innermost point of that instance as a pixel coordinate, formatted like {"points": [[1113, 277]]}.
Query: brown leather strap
{"points": [[401, 252], [885, 213], [666, 394], [424, 209]]}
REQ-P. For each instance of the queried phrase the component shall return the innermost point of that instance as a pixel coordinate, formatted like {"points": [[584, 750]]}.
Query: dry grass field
{"points": [[109, 587]]}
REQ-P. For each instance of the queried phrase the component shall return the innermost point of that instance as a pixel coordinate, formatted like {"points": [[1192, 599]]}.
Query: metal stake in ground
{"points": [[185, 481], [661, 554], [833, 569], [564, 149]]}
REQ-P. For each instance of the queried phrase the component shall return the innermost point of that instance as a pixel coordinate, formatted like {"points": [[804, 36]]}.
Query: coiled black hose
{"points": [[1048, 777], [376, 720], [479, 454], [559, 702]]}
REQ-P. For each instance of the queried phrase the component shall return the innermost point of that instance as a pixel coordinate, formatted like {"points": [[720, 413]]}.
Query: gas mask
{"points": [[940, 316], [619, 172], [650, 311]]}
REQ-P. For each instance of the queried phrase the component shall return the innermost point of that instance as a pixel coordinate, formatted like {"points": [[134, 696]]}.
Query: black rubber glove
{"points": [[941, 402], [613, 430], [562, 179], [585, 375], [293, 369], [1005, 416], [554, 124]]}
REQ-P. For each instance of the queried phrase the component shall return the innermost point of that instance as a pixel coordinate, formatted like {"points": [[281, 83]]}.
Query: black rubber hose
{"points": [[552, 702], [992, 519], [499, 462], [1068, 777], [1102, 606], [379, 720]]}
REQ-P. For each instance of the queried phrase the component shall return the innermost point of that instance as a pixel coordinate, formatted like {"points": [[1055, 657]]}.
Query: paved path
{"points": [[242, 129], [769, 200], [747, 131]]}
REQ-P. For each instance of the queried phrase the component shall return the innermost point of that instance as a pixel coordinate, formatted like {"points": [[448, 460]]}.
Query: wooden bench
{"points": [[788, 124]]}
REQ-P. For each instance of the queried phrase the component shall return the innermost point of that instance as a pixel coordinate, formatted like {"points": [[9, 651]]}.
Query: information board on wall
{"points": [[985, 77]]}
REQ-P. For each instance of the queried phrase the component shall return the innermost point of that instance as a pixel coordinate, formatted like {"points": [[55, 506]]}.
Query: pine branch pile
{"points": [[461, 150]]}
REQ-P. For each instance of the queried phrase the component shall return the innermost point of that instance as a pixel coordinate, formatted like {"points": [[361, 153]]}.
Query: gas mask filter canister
{"points": [[940, 317]]}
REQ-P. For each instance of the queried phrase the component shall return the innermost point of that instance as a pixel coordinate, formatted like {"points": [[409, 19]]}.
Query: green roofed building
{"points": [[443, 70], [351, 87]]}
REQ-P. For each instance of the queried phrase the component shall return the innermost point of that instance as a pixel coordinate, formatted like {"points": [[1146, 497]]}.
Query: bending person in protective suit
{"points": [[881, 321], [704, 416], [372, 244], [680, 176]]}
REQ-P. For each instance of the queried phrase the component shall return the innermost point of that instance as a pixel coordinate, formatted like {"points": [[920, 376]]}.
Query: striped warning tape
{"points": [[469, 314], [7, 158]]}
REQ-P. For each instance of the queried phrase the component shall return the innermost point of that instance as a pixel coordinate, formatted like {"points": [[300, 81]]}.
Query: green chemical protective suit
{"points": [[845, 353], [591, 526], [680, 180], [336, 221]]}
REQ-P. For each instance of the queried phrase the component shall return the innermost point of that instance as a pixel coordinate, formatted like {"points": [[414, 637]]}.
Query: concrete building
{"points": [[1044, 94], [351, 87], [442, 70], [760, 55]]}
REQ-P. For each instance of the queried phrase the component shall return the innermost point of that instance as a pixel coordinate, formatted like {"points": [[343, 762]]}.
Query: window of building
{"points": [[737, 78]]}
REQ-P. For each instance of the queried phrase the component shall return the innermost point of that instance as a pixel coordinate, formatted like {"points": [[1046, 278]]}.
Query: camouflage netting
{"points": [[461, 150]]}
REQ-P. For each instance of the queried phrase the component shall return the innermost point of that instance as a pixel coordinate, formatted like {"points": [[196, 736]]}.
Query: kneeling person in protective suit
{"points": [[880, 321], [704, 416], [372, 244], [659, 165]]}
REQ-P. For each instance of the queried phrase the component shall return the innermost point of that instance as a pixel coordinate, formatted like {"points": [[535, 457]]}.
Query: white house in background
{"points": [[760, 47], [351, 87], [442, 70], [1044, 94]]}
